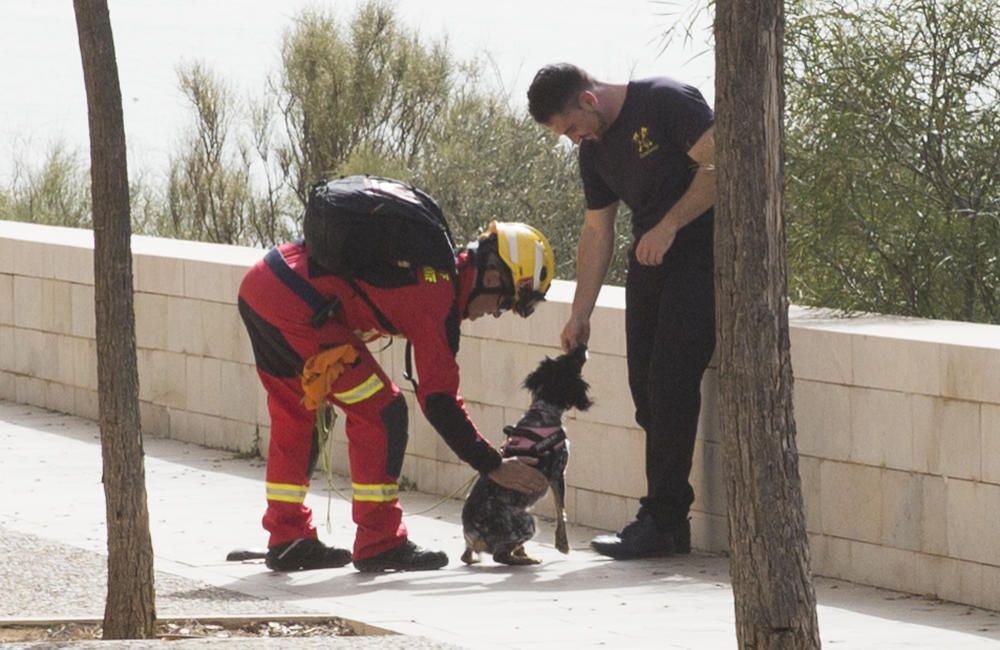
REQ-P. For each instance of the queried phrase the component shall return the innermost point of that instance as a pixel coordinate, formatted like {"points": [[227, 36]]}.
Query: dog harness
{"points": [[532, 441]]}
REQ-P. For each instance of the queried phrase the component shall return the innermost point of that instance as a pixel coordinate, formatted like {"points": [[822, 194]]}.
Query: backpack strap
{"points": [[322, 308], [384, 322], [379, 316]]}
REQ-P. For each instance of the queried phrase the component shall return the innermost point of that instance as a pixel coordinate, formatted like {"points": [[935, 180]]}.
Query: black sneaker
{"points": [[642, 538], [304, 555], [405, 557]]}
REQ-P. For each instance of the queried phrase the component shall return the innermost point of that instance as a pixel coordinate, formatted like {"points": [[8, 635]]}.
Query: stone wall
{"points": [[898, 419]]}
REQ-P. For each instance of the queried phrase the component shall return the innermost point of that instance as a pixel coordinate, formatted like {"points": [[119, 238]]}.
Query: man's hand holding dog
{"points": [[517, 474]]}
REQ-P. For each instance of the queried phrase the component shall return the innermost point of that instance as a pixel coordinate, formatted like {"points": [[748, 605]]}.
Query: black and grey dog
{"points": [[497, 519]]}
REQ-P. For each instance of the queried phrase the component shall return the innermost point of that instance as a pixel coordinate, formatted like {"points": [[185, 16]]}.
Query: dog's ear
{"points": [[579, 355]]}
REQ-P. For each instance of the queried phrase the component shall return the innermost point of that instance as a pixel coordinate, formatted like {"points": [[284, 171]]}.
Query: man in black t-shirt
{"points": [[648, 143]]}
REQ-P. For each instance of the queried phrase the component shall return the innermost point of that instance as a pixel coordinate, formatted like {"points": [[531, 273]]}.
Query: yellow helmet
{"points": [[529, 258]]}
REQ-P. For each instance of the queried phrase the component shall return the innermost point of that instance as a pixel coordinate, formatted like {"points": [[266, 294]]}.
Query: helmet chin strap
{"points": [[482, 266]]}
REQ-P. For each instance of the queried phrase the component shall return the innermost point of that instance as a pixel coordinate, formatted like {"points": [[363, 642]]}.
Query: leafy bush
{"points": [[893, 144]]}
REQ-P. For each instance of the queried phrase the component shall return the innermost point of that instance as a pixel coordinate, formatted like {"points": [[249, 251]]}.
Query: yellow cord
{"points": [[326, 419]]}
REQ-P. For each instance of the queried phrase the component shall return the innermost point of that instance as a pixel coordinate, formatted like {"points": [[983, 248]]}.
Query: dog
{"points": [[496, 519]]}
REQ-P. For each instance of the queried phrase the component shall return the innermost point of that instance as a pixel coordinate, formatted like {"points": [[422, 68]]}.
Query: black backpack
{"points": [[357, 225]]}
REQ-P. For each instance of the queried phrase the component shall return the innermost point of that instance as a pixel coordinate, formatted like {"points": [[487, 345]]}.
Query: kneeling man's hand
{"points": [[517, 474]]}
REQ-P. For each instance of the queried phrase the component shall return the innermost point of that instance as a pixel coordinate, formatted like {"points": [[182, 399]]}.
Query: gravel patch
{"points": [[40, 578]]}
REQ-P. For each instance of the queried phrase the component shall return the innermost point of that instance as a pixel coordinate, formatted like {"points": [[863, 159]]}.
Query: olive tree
{"points": [[893, 136]]}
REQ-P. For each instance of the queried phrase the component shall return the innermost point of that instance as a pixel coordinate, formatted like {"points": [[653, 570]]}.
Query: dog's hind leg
{"points": [[559, 496], [470, 556]]}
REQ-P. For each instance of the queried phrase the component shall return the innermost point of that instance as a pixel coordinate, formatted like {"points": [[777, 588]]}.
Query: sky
{"points": [[42, 101]]}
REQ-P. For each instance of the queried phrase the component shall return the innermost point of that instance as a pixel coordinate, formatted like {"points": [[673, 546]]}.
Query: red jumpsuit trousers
{"points": [[283, 339]]}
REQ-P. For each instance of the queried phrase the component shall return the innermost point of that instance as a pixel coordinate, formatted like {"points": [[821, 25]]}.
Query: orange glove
{"points": [[321, 370]]}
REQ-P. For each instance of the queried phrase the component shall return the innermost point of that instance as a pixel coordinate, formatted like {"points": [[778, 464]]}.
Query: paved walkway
{"points": [[205, 502]]}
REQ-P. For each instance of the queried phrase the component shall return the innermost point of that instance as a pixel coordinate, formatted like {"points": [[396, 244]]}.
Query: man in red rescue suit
{"points": [[509, 267]]}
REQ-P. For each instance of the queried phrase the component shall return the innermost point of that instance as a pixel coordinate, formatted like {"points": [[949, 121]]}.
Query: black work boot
{"points": [[642, 538], [305, 554], [405, 557]]}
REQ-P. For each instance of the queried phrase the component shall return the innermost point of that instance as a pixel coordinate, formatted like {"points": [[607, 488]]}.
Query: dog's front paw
{"points": [[470, 556]]}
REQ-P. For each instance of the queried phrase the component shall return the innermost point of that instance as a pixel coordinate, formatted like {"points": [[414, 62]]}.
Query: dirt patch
{"points": [[188, 629]]}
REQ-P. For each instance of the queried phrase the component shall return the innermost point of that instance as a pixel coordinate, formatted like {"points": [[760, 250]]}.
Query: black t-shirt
{"points": [[642, 158]]}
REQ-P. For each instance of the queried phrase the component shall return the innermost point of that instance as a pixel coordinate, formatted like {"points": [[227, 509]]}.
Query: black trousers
{"points": [[670, 335]]}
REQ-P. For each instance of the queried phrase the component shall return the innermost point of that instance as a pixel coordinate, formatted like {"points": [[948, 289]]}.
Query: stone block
{"points": [[33, 259], [961, 440], [74, 264], [85, 403], [605, 511], [608, 379], [902, 510], [707, 476], [7, 306], [852, 504], [810, 474], [155, 420], [971, 373], [882, 566], [30, 303], [709, 532], [85, 364], [151, 321], [59, 313], [6, 255], [709, 427], [927, 424], [823, 420], [66, 347], [8, 390], [211, 281], [586, 460], [31, 356], [223, 334], [621, 461], [83, 308], [185, 329], [204, 385], [474, 386], [238, 398], [158, 274], [934, 523], [607, 325], [7, 349], [966, 503], [163, 378], [881, 428], [902, 365], [821, 355], [60, 397], [990, 425]]}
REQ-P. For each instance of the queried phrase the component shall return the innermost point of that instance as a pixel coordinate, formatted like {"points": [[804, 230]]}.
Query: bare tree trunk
{"points": [[130, 608], [772, 585]]}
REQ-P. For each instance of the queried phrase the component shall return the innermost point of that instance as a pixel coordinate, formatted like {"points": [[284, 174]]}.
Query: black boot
{"points": [[305, 554], [405, 557], [642, 538]]}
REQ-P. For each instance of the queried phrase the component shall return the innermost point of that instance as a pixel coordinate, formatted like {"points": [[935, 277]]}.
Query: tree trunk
{"points": [[772, 586], [130, 608]]}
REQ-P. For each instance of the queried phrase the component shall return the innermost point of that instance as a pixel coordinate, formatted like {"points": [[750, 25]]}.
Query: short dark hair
{"points": [[553, 87]]}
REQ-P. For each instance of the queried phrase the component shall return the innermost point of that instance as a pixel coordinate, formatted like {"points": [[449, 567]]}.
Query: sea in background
{"points": [[42, 99]]}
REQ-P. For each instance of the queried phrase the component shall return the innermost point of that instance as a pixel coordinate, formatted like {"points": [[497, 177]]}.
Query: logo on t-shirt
{"points": [[643, 143]]}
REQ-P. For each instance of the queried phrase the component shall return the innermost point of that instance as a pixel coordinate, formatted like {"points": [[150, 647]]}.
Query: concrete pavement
{"points": [[204, 502]]}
